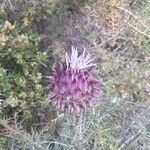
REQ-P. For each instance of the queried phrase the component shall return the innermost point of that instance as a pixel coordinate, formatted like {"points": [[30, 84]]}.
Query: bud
{"points": [[71, 86]]}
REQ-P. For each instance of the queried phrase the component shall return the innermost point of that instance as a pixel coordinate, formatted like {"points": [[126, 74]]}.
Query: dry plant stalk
{"points": [[106, 14], [137, 23], [127, 144], [113, 15]]}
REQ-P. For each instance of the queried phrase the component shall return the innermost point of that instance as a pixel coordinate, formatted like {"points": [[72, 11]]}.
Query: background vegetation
{"points": [[34, 35]]}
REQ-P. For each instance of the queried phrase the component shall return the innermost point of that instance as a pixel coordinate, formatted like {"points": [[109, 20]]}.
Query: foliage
{"points": [[20, 79]]}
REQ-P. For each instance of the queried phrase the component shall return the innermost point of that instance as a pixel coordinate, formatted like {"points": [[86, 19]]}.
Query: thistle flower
{"points": [[71, 85]]}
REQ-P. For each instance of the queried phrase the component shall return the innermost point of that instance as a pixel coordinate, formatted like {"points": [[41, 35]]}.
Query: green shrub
{"points": [[20, 58]]}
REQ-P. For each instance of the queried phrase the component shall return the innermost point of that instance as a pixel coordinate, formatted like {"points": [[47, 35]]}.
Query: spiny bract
{"points": [[71, 85]]}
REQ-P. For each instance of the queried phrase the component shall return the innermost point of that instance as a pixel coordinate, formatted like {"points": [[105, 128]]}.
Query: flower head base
{"points": [[72, 86]]}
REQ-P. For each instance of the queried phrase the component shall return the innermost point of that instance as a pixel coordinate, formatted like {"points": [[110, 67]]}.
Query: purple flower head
{"points": [[71, 85]]}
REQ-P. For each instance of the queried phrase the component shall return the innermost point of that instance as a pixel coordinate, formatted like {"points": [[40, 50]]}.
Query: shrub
{"points": [[20, 79]]}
